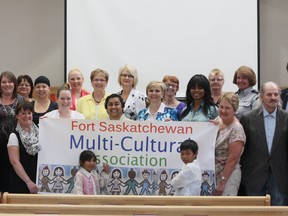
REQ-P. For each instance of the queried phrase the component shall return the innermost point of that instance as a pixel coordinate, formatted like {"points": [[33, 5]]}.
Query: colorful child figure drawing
{"points": [[163, 184], [145, 183], [45, 180], [70, 181], [131, 183], [116, 182], [205, 186], [58, 180]]}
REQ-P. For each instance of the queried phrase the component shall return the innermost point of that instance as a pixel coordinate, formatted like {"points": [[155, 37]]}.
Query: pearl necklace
{"points": [[153, 113]]}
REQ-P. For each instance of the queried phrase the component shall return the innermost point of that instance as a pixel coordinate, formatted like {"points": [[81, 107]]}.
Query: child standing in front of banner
{"points": [[86, 180], [188, 180]]}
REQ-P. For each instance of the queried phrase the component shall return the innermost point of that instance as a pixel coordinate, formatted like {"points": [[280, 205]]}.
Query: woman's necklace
{"points": [[153, 113], [10, 111], [42, 107], [97, 100]]}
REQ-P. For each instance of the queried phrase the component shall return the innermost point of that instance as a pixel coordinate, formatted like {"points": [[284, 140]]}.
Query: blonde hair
{"points": [[156, 83], [130, 69], [216, 72], [74, 69], [231, 98]]}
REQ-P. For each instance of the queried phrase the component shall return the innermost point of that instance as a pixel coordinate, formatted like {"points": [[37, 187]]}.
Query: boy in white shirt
{"points": [[188, 180]]}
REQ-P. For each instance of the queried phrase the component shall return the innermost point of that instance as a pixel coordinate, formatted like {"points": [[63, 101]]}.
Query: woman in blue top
{"points": [[172, 84], [157, 110], [200, 106]]}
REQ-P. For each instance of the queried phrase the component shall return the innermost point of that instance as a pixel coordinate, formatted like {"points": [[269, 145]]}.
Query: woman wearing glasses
{"points": [[133, 99], [92, 105], [25, 87], [172, 84], [216, 79]]}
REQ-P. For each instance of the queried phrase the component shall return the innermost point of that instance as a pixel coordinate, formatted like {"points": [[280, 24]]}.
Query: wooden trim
{"points": [[136, 200], [143, 210]]}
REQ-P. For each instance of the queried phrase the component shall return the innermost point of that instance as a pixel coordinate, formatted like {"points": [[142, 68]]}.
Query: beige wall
{"points": [[32, 39], [274, 41]]}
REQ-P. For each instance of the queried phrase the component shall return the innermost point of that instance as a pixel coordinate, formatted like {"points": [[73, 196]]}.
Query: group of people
{"points": [[250, 150]]}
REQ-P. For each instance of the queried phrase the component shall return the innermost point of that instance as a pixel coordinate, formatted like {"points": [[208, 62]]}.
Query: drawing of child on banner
{"points": [[206, 188], [131, 183], [116, 182], [70, 181], [145, 183], [45, 180], [163, 185], [58, 180]]}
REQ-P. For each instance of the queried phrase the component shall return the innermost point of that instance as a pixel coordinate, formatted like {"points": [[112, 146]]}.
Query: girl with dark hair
{"points": [[200, 106], [87, 179]]}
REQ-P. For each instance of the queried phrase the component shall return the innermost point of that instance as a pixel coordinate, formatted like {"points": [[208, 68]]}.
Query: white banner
{"points": [[128, 147]]}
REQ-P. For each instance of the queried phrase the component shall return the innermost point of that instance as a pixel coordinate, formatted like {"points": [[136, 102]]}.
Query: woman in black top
{"points": [[42, 103], [23, 148]]}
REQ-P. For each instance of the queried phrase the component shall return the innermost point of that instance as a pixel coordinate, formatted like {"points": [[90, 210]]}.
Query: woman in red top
{"points": [[76, 80]]}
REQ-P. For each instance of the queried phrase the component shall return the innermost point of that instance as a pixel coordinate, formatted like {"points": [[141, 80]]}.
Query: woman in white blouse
{"points": [[133, 99]]}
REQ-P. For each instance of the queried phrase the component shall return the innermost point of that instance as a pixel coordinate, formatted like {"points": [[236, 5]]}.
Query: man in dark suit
{"points": [[265, 157]]}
